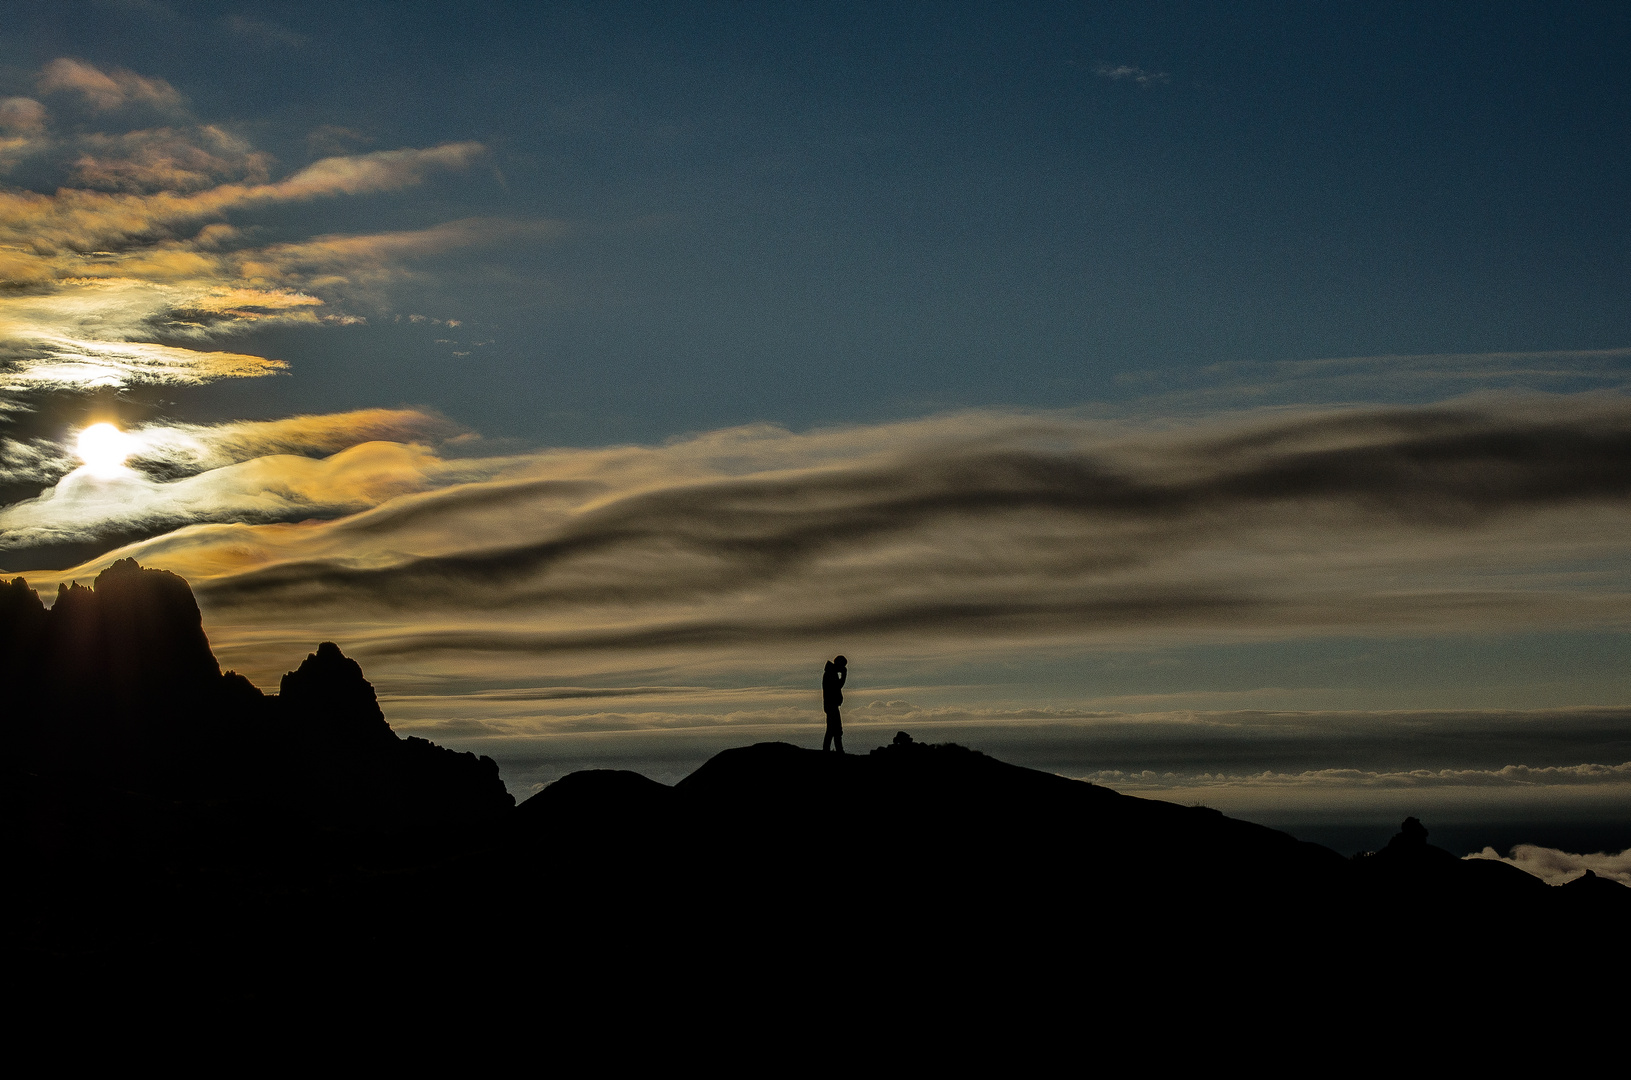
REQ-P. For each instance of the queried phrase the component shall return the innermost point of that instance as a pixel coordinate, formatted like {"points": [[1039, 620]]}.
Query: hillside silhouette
{"points": [[163, 812]]}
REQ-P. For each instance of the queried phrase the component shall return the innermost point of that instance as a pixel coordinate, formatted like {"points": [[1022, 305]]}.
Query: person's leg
{"points": [[835, 724], [826, 741]]}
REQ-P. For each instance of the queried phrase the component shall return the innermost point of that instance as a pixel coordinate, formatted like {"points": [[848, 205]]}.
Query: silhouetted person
{"points": [[832, 696]]}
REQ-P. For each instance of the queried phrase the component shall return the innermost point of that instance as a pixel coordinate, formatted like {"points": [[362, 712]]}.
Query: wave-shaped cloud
{"points": [[978, 526], [164, 452]]}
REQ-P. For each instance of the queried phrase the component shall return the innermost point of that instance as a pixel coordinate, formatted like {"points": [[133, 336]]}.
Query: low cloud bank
{"points": [[1506, 776], [1557, 867]]}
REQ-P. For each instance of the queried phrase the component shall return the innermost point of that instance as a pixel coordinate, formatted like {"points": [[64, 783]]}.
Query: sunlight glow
{"points": [[103, 448]]}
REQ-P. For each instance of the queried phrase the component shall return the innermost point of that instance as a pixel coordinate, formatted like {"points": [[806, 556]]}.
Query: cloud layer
{"points": [[1277, 766], [1508, 775], [979, 528]]}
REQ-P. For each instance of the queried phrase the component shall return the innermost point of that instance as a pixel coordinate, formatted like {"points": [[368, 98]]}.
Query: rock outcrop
{"points": [[115, 686]]}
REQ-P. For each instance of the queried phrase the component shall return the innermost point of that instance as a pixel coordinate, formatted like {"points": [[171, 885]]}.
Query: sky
{"points": [[1222, 402]]}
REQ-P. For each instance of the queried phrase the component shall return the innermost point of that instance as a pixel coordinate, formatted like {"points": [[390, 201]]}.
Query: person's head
{"points": [[839, 661]]}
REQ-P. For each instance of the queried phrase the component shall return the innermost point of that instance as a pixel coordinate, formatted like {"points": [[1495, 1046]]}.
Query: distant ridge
{"points": [[955, 837]]}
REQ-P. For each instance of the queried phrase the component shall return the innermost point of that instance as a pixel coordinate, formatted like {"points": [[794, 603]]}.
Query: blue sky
{"points": [[1138, 359], [817, 214]]}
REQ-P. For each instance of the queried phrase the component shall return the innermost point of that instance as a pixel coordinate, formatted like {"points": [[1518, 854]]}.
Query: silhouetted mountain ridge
{"points": [[115, 685], [161, 806]]}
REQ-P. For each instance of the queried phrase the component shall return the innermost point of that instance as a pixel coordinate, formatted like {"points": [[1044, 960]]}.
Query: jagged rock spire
{"points": [[328, 696]]}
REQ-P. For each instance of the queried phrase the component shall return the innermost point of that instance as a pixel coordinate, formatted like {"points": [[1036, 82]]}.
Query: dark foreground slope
{"points": [[936, 843], [161, 817]]}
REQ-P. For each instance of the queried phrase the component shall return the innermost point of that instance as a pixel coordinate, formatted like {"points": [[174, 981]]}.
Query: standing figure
{"points": [[832, 696]]}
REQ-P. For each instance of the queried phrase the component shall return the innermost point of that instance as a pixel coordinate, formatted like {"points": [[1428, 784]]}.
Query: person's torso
{"points": [[832, 687]]}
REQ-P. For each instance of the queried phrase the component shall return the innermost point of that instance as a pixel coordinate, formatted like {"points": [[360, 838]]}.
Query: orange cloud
{"points": [[200, 447], [79, 220], [22, 116], [106, 90], [275, 487], [165, 159], [98, 268]]}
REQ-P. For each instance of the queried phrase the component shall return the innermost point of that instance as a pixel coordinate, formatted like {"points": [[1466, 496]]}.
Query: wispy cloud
{"points": [[1505, 776], [105, 90], [126, 241], [1396, 379], [1127, 72], [262, 31]]}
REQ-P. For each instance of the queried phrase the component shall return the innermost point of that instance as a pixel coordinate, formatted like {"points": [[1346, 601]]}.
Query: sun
{"points": [[103, 448]]}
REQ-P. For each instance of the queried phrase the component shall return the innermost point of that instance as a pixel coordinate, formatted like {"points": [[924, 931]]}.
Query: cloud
{"points": [[369, 261], [978, 528], [262, 32], [1399, 379], [329, 140], [21, 116], [80, 220], [1120, 72], [124, 242], [106, 90], [1379, 750], [164, 159], [69, 362], [170, 451], [281, 487], [1507, 775], [1557, 867], [194, 448], [282, 470]]}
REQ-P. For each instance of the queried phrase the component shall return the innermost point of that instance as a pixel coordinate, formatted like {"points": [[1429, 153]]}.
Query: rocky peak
{"points": [[328, 695]]}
